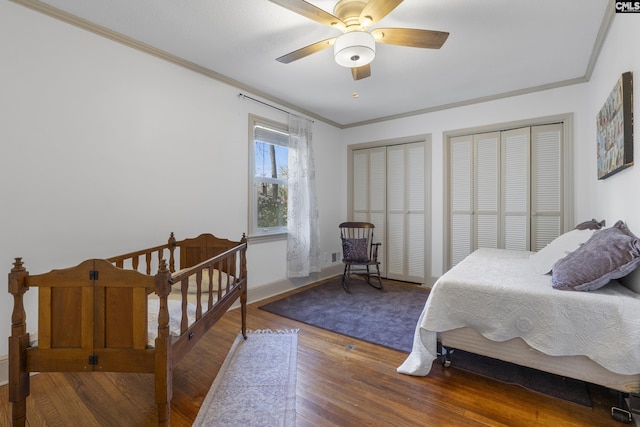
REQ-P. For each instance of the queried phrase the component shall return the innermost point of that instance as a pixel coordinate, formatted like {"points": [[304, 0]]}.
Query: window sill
{"points": [[265, 238]]}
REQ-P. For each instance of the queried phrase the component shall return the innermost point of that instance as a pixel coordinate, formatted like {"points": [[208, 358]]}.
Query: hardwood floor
{"points": [[341, 382]]}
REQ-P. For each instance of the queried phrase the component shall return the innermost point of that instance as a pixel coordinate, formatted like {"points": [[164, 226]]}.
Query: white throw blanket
{"points": [[499, 294]]}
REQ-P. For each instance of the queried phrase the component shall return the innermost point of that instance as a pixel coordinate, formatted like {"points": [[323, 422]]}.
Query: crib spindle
{"points": [[172, 248], [198, 294]]}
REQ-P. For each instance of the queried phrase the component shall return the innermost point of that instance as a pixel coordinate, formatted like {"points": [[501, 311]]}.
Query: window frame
{"points": [[255, 233]]}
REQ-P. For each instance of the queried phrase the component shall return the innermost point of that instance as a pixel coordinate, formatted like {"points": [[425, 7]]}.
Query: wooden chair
{"points": [[360, 253]]}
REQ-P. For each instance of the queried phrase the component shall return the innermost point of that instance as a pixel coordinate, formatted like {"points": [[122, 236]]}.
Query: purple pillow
{"points": [[591, 225], [355, 250], [609, 254]]}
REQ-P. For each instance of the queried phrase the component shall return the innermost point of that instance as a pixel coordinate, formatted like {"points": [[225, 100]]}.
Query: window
{"points": [[269, 180]]}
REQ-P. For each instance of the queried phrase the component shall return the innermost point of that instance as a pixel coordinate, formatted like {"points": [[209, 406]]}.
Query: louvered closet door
{"points": [[369, 191], [361, 185], [515, 194], [506, 190], [461, 198], [547, 185], [405, 212], [487, 189]]}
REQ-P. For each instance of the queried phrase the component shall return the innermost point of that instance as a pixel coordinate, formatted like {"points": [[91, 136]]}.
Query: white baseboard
{"points": [[269, 290], [4, 369]]}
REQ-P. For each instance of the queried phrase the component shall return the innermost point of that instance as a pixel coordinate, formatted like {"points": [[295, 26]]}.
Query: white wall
{"points": [[614, 198], [107, 150], [617, 197]]}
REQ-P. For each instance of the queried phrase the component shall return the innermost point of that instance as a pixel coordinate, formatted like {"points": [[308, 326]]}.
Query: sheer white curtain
{"points": [[302, 213]]}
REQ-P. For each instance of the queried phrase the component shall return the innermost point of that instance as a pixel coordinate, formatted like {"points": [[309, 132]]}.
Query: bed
{"points": [[135, 312], [497, 303]]}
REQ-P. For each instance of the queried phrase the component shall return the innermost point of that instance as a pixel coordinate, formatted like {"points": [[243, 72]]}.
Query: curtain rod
{"points": [[242, 95]]}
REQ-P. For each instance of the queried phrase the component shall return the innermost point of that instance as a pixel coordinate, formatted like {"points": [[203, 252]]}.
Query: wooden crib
{"points": [[95, 316]]}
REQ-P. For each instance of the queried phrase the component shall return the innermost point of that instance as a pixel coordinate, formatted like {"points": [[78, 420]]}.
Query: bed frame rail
{"points": [[133, 258]]}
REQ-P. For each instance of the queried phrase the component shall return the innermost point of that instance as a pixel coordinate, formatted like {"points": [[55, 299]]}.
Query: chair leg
{"points": [[368, 278], [381, 287], [345, 278]]}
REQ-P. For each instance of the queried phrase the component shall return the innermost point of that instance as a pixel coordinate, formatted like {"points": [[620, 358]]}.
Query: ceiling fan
{"points": [[355, 48]]}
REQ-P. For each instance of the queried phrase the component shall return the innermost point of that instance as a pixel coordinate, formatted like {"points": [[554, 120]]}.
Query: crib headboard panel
{"points": [[88, 307], [201, 248]]}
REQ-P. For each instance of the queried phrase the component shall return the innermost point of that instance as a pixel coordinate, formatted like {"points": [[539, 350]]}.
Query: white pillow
{"points": [[544, 259]]}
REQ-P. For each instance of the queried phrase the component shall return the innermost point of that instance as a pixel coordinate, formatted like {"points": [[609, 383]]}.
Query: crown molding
{"points": [[135, 44], [143, 47]]}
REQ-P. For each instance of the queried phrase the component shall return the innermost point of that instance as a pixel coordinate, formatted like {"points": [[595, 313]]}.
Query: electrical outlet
{"points": [[334, 257]]}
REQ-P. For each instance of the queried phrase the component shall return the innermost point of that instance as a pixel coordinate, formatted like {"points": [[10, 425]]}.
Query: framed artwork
{"points": [[615, 129]]}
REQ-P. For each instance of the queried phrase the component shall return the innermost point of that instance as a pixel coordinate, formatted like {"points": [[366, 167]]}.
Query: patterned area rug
{"points": [[256, 385]]}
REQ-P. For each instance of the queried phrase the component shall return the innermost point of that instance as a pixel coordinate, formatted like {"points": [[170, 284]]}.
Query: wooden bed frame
{"points": [[93, 317]]}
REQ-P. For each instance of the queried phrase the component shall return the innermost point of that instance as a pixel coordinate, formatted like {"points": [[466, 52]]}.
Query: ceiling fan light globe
{"points": [[354, 49]]}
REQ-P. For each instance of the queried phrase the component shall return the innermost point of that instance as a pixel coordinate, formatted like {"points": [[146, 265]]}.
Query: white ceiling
{"points": [[495, 48]]}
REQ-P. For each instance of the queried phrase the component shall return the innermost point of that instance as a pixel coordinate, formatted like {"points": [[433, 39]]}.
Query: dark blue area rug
{"points": [[389, 318]]}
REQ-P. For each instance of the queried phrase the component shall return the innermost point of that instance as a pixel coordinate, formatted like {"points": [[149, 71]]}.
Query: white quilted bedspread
{"points": [[498, 293]]}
